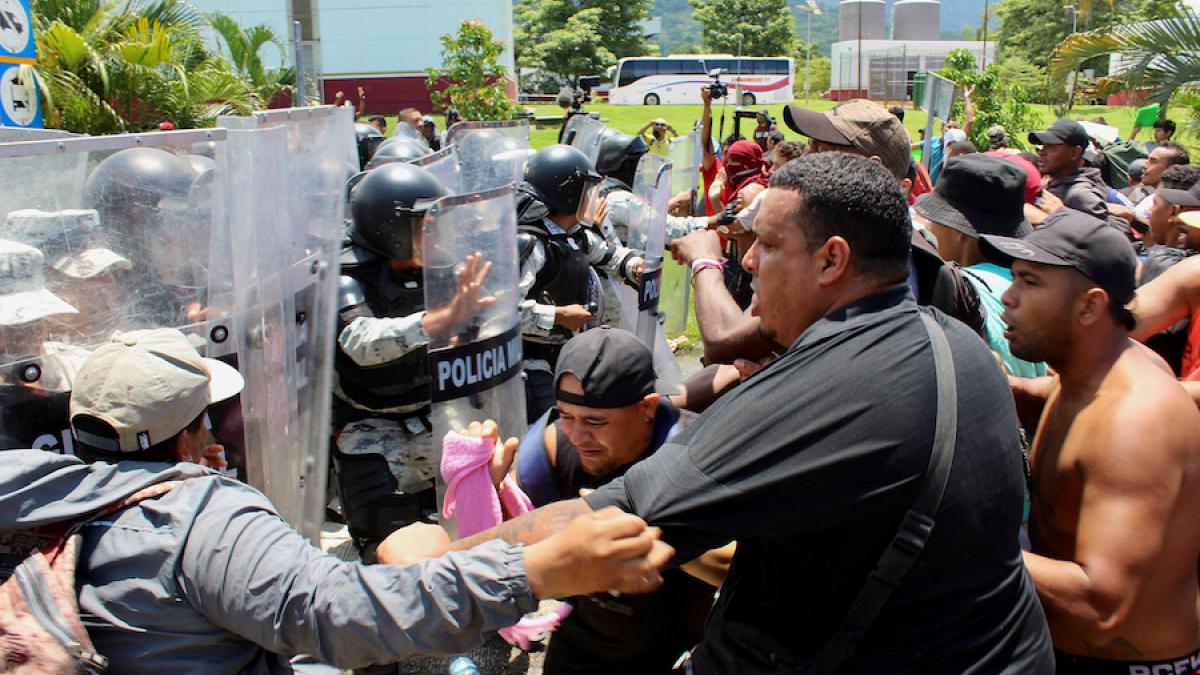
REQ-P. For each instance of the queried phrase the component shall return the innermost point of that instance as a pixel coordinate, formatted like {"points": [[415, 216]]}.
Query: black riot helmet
{"points": [[368, 139], [619, 155], [396, 149], [131, 187], [388, 205], [560, 174]]}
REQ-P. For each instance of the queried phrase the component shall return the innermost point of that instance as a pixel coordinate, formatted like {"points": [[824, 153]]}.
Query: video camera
{"points": [[717, 90], [583, 90]]}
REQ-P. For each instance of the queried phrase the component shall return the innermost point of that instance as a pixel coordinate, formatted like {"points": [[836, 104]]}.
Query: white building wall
{"points": [[843, 61], [375, 37], [360, 37]]}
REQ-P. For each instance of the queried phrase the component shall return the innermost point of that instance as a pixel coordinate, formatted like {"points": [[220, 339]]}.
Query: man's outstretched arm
{"points": [[569, 549], [529, 528]]}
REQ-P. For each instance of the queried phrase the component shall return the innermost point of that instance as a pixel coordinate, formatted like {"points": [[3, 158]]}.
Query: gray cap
{"points": [[148, 386]]}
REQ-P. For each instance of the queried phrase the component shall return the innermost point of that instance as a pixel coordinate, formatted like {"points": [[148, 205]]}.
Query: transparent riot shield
{"points": [[286, 235], [584, 132], [444, 165], [99, 236], [686, 153], [405, 130], [491, 154], [475, 334]]}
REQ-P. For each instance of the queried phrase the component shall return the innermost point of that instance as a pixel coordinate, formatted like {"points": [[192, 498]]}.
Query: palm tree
{"points": [[245, 46], [106, 66], [1160, 57]]}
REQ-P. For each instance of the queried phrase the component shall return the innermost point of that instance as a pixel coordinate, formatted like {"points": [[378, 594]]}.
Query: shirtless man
{"points": [[1116, 460]]}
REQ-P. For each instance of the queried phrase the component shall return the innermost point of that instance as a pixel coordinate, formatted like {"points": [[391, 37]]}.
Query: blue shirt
{"points": [[991, 281]]}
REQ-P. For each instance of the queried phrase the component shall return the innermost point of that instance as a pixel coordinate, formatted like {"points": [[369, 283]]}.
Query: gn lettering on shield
{"points": [[478, 366]]}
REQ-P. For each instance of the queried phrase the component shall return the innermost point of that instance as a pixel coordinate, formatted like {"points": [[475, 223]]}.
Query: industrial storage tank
{"points": [[874, 19], [917, 20]]}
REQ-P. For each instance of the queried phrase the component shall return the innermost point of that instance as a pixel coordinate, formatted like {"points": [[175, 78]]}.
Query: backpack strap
{"points": [[918, 522], [534, 473]]}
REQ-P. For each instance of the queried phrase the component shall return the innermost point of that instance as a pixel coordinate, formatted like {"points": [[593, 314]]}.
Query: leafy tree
{"points": [[106, 66], [1032, 29], [1015, 71], [996, 100], [576, 48], [758, 27], [244, 46], [1161, 55], [477, 81], [578, 37]]}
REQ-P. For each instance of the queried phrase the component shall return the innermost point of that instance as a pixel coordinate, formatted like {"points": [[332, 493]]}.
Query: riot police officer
{"points": [[617, 161], [396, 149], [383, 450], [368, 139], [562, 292], [147, 200]]}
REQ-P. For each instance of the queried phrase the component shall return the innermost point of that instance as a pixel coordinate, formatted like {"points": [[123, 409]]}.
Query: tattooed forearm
{"points": [[531, 527]]}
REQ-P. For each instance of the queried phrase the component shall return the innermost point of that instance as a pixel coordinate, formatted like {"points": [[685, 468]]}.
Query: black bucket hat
{"points": [[977, 195]]}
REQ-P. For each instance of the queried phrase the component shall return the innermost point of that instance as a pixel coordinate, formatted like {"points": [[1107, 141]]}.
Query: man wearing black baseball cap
{"points": [[1177, 193], [1060, 156], [979, 195], [1116, 460], [608, 415]]}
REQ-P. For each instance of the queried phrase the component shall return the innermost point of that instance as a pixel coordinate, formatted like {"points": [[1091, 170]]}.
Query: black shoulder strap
{"points": [[918, 522]]}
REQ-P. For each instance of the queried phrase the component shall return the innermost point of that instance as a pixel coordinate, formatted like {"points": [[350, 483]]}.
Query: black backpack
{"points": [[943, 285]]}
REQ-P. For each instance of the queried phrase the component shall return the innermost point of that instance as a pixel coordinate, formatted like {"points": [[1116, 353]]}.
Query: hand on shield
{"points": [[680, 204], [607, 550], [697, 245], [467, 300], [600, 213]]}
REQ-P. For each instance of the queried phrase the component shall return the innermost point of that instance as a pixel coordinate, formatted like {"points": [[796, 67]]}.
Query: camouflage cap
{"points": [[861, 124]]}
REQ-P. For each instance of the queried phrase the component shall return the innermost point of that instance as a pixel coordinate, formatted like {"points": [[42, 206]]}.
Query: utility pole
{"points": [[858, 82], [811, 9], [985, 35], [1074, 71]]}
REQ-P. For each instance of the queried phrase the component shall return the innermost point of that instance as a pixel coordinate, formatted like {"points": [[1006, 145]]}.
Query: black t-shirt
{"points": [[810, 464]]}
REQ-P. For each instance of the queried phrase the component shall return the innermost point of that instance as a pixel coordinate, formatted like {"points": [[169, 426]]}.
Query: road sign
{"points": [[18, 103], [16, 32]]}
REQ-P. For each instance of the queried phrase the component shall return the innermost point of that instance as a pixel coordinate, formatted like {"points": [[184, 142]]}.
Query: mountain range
{"points": [[682, 34]]}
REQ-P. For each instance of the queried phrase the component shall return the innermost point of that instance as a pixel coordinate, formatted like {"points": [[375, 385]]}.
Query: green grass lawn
{"points": [[630, 118]]}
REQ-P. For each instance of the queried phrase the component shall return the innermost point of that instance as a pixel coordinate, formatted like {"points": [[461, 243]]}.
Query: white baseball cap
{"points": [[148, 386], [64, 237], [23, 294]]}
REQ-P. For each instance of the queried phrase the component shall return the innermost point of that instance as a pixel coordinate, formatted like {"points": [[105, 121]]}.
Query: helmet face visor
{"points": [[589, 203], [397, 238]]}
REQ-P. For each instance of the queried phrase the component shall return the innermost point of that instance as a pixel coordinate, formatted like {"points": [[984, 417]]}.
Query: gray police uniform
{"points": [[384, 443]]}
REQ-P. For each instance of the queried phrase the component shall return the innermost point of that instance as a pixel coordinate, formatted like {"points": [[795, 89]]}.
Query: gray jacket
{"points": [[209, 579], [1083, 191]]}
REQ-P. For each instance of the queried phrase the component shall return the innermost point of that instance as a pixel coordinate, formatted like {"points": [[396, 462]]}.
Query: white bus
{"points": [[651, 80]]}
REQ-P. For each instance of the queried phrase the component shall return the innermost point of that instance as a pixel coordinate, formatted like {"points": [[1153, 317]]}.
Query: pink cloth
{"points": [[472, 501], [532, 627], [470, 497]]}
